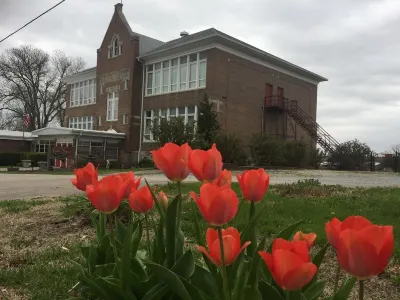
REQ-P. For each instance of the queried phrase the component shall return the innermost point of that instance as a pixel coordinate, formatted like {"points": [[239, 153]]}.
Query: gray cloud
{"points": [[352, 43]]}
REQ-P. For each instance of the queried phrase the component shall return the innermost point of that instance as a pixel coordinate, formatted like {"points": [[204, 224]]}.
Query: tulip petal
{"points": [[332, 229], [230, 250], [205, 252], [267, 259], [355, 223], [211, 236], [297, 278]]}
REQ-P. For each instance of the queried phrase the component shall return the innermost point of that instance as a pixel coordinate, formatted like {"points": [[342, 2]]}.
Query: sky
{"points": [[353, 43]]}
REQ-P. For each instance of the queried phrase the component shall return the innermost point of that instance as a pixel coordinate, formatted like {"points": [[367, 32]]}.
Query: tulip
{"points": [[172, 160], [289, 264], [231, 243], [308, 237], [218, 205], [84, 176], [206, 166], [162, 199], [141, 200], [332, 229], [224, 179], [130, 183], [106, 194], [364, 249], [253, 184]]}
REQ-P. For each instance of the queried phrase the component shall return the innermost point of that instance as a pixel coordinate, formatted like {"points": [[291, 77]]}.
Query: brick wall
{"points": [[15, 146]]}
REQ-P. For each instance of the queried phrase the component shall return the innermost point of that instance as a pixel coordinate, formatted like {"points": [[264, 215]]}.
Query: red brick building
{"points": [[139, 80]]}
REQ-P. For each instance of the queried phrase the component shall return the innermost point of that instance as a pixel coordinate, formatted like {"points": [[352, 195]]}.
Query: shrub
{"points": [[9, 158], [351, 155], [173, 130], [207, 123], [295, 154], [267, 150], [315, 158], [146, 162], [35, 157], [231, 148]]}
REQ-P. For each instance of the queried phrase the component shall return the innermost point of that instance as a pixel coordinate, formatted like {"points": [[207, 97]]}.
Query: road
{"points": [[22, 186]]}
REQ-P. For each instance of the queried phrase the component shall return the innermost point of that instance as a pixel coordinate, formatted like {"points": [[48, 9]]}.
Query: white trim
{"points": [[115, 104], [81, 76], [238, 54]]}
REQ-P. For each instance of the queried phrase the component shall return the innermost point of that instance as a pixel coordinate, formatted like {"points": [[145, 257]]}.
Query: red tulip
{"points": [[205, 165], [308, 237], [141, 200], [289, 264], [172, 160], [84, 176], [218, 205], [162, 199], [224, 179], [332, 229], [364, 250], [106, 195], [253, 184], [231, 243], [130, 183]]}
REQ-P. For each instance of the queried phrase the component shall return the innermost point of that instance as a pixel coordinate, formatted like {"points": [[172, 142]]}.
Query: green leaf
{"points": [[255, 266], [92, 259], [137, 236], [157, 292], [246, 234], [241, 279], [104, 270], [204, 281], [125, 262], [294, 295], [171, 231], [317, 260], [268, 292], [253, 294], [185, 266], [194, 292], [179, 242], [251, 249], [137, 269], [170, 279], [315, 290], [120, 231], [345, 289], [286, 233], [85, 251]]}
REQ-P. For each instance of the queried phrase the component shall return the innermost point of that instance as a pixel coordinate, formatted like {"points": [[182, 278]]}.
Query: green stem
{"points": [[147, 234], [337, 278], [178, 221], [103, 222], [253, 246], [236, 219], [361, 292], [223, 266]]}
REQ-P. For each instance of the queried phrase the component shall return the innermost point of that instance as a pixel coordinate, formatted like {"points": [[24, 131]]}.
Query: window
{"points": [[115, 49], [125, 119], [83, 93], [280, 92], [125, 84], [81, 122], [100, 121], [188, 113], [178, 74], [42, 146], [112, 106]]}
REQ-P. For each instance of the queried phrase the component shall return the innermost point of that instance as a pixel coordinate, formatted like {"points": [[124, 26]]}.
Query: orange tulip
{"points": [[224, 179], [332, 229], [162, 199], [218, 205], [84, 176], [172, 160], [308, 237], [364, 250], [141, 200], [106, 195], [231, 243], [206, 166], [289, 264], [130, 183], [253, 184]]}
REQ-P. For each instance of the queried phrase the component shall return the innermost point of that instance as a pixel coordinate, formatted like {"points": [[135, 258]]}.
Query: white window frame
{"points": [[170, 112], [181, 85], [112, 48], [125, 119], [83, 93], [112, 106], [84, 122]]}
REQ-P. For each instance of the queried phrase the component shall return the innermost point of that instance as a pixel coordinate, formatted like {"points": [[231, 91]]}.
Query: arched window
{"points": [[115, 48]]}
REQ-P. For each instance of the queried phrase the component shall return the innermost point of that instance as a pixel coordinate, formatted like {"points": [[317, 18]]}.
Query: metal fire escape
{"points": [[316, 132]]}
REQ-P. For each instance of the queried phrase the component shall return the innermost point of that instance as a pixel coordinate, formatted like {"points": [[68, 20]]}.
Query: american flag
{"points": [[27, 120]]}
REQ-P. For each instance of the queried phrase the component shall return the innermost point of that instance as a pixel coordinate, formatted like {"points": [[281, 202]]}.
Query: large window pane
{"points": [[192, 75], [157, 82], [165, 80], [149, 83], [174, 79], [202, 73], [182, 74]]}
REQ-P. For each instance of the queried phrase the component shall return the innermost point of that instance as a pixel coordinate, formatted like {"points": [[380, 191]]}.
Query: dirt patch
{"points": [[29, 233]]}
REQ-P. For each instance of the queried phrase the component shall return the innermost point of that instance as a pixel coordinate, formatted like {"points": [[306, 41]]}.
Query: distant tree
{"points": [[173, 130], [351, 155], [207, 122], [30, 82]]}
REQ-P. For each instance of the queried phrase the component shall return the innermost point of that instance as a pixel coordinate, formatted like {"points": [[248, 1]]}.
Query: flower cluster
{"points": [[363, 249]]}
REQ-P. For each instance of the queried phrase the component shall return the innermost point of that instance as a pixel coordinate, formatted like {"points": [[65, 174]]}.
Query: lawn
{"points": [[39, 237]]}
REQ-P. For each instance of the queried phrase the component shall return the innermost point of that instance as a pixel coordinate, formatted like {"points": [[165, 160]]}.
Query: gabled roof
{"points": [[213, 33]]}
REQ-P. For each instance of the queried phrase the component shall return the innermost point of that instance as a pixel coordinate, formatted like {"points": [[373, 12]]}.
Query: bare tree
{"points": [[30, 83]]}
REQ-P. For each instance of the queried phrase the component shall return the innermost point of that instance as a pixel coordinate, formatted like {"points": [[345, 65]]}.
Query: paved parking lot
{"points": [[17, 186]]}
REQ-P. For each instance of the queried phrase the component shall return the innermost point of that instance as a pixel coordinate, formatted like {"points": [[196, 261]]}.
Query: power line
{"points": [[32, 21]]}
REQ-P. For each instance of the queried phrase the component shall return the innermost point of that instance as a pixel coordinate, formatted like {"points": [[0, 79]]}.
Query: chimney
{"points": [[184, 33], [118, 7]]}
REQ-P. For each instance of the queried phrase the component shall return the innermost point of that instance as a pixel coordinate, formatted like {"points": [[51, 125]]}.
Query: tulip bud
{"points": [[162, 199]]}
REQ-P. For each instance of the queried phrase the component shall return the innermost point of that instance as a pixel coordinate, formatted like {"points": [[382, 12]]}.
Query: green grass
{"points": [[17, 206]]}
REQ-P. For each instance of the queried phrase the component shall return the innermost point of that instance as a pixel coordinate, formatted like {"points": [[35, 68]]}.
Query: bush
{"points": [[231, 148], [295, 154], [146, 162], [351, 155], [267, 150], [315, 158], [173, 130], [9, 158], [35, 157]]}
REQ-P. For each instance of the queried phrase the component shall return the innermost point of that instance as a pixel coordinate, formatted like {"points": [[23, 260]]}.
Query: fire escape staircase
{"points": [[316, 132]]}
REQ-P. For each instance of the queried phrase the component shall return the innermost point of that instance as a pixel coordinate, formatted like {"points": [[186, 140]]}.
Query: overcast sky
{"points": [[353, 43]]}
